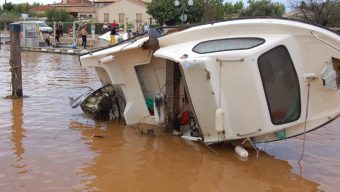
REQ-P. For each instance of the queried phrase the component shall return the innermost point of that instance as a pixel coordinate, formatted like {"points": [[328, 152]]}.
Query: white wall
{"points": [[128, 7]]}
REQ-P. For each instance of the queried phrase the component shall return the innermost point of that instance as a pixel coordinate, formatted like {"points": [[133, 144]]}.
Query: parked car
{"points": [[44, 27]]}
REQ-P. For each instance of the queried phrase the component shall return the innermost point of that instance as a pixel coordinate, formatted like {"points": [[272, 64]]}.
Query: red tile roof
{"points": [[40, 8]]}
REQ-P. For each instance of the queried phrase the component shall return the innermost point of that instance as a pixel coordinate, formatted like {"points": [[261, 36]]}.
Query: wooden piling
{"points": [[15, 60], [172, 92]]}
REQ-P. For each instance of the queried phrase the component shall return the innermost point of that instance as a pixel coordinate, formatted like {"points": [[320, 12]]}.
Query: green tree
{"points": [[213, 10], [21, 8], [195, 12], [263, 8], [6, 18], [164, 11], [322, 12], [58, 15], [8, 7], [35, 4], [231, 10]]}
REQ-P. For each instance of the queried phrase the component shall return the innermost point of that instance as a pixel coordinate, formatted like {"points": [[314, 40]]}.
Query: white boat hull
{"points": [[243, 83]]}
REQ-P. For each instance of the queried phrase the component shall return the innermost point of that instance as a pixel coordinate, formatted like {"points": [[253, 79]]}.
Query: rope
{"points": [[305, 124], [14, 70]]}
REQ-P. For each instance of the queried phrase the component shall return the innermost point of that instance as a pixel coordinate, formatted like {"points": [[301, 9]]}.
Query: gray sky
{"points": [[286, 2]]}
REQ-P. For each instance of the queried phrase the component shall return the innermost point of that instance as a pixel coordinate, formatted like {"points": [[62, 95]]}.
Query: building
{"points": [[77, 8], [40, 9], [132, 12], [102, 3], [295, 14]]}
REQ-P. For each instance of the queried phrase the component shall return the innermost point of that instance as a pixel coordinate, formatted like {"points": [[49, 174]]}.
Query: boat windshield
{"points": [[230, 44]]}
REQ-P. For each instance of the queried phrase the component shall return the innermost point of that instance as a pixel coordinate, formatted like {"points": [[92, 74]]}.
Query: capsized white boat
{"points": [[261, 78]]}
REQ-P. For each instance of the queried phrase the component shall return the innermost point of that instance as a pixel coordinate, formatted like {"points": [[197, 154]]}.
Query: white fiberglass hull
{"points": [[264, 90]]}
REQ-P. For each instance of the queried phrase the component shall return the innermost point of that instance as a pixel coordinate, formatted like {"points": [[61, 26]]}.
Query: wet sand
{"points": [[45, 145]]}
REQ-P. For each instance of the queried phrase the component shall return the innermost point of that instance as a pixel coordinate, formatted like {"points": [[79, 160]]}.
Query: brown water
{"points": [[47, 146]]}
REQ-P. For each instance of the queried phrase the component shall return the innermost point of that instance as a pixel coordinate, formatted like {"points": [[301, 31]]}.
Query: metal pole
{"points": [[15, 60], [54, 30], [74, 33]]}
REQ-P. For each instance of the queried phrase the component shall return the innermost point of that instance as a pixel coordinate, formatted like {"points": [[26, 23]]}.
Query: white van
{"points": [[43, 27]]}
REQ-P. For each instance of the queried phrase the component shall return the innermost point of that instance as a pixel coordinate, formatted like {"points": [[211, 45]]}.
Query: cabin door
{"points": [[281, 85]]}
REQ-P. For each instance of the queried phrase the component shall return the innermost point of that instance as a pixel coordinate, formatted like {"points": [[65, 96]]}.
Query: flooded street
{"points": [[45, 145]]}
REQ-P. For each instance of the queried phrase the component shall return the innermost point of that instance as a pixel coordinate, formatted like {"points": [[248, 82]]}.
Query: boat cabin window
{"points": [[281, 85], [218, 45]]}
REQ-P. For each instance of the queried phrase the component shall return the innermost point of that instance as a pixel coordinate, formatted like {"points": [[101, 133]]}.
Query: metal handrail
{"points": [[325, 42]]}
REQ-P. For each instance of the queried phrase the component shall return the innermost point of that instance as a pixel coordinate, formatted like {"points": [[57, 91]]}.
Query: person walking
{"points": [[84, 36], [57, 34], [113, 34], [61, 27]]}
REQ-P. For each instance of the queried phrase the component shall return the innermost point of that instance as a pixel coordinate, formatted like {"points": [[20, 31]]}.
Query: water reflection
{"points": [[127, 161], [18, 132]]}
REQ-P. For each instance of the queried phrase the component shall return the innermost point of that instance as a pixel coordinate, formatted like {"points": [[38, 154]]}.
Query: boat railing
{"points": [[325, 42]]}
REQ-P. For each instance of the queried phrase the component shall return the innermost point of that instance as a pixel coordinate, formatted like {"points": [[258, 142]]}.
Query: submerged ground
{"points": [[47, 146]]}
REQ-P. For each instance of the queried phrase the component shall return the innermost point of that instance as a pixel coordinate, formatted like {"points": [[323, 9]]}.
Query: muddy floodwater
{"points": [[45, 145]]}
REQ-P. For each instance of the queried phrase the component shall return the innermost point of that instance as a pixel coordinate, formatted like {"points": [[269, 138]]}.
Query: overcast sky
{"points": [[58, 1]]}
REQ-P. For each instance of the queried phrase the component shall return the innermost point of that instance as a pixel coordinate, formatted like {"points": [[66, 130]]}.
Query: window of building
{"points": [[139, 18], [121, 17], [227, 44], [106, 17], [82, 16], [281, 85]]}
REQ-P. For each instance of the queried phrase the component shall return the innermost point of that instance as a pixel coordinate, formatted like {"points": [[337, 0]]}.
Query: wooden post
{"points": [[15, 60], [172, 92]]}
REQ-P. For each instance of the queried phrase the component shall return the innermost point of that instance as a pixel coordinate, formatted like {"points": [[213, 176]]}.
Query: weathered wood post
{"points": [[172, 92], [15, 60]]}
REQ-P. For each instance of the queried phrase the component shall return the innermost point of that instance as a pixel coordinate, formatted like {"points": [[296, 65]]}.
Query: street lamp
{"points": [[182, 7]]}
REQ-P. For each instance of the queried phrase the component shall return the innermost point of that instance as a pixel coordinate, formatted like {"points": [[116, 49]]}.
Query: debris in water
{"points": [[97, 136]]}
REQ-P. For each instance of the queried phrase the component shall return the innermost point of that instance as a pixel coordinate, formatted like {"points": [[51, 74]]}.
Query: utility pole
{"points": [[15, 60]]}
